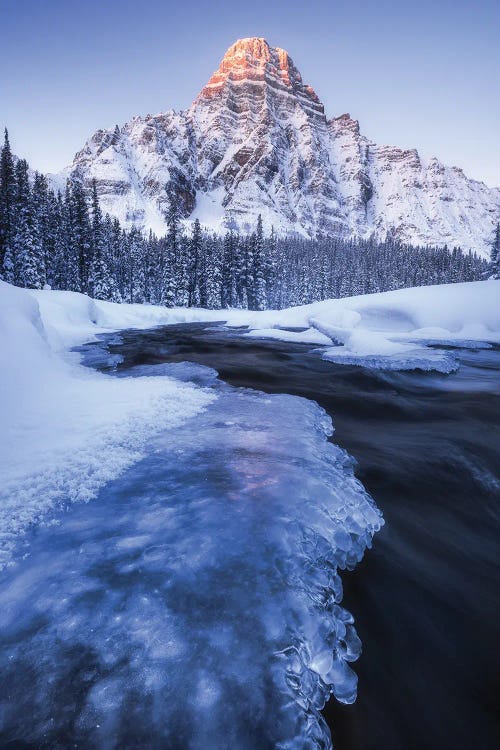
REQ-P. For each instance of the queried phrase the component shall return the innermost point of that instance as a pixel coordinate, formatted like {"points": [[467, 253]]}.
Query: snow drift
{"points": [[66, 430], [392, 330]]}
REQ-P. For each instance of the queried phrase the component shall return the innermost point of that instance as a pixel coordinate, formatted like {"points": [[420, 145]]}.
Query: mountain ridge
{"points": [[256, 140]]}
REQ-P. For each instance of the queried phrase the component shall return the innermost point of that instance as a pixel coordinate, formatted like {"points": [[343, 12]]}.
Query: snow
{"points": [[392, 330], [71, 318], [309, 336], [229, 152], [65, 429], [389, 330], [210, 566]]}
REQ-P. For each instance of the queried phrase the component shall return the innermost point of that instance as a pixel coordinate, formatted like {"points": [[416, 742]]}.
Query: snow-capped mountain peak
{"points": [[253, 60], [256, 141]]}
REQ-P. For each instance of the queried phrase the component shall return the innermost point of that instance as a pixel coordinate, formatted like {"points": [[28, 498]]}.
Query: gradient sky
{"points": [[415, 74]]}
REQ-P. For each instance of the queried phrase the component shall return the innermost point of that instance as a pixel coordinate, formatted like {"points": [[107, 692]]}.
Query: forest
{"points": [[65, 242]]}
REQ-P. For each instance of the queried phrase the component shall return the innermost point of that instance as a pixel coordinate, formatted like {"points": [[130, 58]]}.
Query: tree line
{"points": [[65, 242]]}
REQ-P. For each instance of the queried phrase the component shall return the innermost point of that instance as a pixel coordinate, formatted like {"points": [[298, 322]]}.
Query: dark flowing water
{"points": [[425, 597]]}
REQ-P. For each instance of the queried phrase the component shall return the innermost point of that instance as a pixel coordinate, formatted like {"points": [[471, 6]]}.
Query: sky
{"points": [[415, 74]]}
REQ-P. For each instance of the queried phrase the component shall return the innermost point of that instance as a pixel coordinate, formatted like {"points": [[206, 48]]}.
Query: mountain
{"points": [[256, 140]]}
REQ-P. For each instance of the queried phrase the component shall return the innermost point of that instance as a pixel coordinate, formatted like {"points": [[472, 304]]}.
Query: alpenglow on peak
{"points": [[256, 141], [253, 60]]}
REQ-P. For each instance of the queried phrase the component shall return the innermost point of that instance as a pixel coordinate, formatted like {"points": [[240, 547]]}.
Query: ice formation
{"points": [[196, 602]]}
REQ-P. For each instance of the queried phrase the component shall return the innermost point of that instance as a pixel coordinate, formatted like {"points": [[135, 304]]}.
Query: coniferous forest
{"points": [[65, 242]]}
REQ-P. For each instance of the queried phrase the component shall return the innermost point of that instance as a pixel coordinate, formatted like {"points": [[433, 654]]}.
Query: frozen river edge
{"points": [[201, 582]]}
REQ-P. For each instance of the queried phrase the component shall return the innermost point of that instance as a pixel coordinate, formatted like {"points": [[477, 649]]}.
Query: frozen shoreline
{"points": [[66, 430], [388, 330]]}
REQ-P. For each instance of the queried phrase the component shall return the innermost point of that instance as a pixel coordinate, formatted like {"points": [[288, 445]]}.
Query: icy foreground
{"points": [[66, 430], [195, 602]]}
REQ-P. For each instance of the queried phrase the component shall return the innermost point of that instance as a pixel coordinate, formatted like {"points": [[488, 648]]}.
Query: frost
{"points": [[197, 602]]}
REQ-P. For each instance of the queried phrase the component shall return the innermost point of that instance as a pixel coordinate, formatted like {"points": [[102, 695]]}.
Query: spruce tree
{"points": [[230, 271], [69, 254], [259, 265], [169, 291], [7, 208], [213, 281], [99, 282], [195, 251], [494, 266], [134, 253], [81, 233], [29, 268]]}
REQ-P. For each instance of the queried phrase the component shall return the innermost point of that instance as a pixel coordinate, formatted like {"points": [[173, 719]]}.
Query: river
{"points": [[424, 597]]}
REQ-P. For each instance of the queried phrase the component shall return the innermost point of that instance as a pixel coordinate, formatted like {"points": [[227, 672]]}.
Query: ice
{"points": [[65, 430], [392, 330], [308, 336], [400, 358], [196, 601]]}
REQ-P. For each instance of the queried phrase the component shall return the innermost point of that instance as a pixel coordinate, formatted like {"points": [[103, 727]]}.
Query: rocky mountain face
{"points": [[256, 140]]}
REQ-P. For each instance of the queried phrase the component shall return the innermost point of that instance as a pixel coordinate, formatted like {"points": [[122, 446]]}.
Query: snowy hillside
{"points": [[256, 140]]}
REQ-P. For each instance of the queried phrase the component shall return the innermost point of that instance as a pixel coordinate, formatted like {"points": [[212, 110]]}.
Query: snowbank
{"points": [[389, 330], [71, 318], [392, 330], [67, 430]]}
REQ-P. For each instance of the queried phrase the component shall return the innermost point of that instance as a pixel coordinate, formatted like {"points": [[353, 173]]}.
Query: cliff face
{"points": [[256, 140]]}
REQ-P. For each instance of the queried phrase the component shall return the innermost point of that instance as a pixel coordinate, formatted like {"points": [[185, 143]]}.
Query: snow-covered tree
{"points": [[194, 254], [99, 281], [27, 242], [81, 232], [7, 206], [71, 245], [171, 245], [494, 266], [259, 267]]}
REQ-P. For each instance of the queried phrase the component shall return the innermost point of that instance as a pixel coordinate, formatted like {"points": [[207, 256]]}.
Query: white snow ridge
{"points": [[391, 330]]}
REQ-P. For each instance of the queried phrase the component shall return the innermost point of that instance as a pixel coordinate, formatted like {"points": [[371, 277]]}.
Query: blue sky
{"points": [[416, 74]]}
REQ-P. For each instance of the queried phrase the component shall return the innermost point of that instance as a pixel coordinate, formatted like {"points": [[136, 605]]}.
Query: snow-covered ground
{"points": [[67, 430], [392, 330]]}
